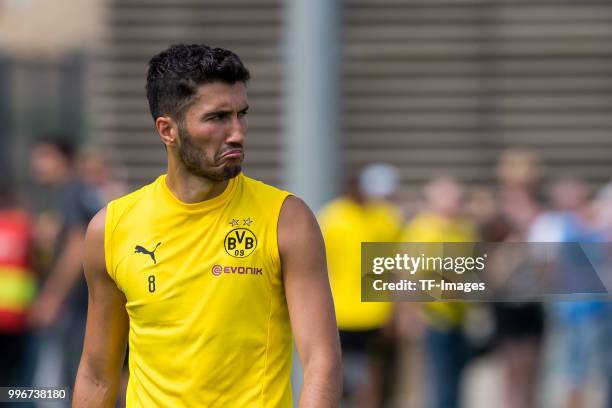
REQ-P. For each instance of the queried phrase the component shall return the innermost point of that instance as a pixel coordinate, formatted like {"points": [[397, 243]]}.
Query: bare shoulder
{"points": [[297, 227], [97, 225], [295, 216], [295, 207], [94, 260]]}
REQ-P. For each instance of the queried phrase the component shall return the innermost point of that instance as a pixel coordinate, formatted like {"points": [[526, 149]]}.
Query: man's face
{"points": [[211, 136], [48, 165]]}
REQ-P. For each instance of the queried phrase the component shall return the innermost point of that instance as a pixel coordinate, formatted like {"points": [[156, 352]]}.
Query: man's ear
{"points": [[168, 130]]}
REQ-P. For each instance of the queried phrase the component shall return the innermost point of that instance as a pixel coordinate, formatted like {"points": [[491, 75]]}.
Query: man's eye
{"points": [[243, 113]]}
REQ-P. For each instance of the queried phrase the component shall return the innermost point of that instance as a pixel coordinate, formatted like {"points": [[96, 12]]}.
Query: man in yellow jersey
{"points": [[362, 214], [445, 346], [208, 274]]}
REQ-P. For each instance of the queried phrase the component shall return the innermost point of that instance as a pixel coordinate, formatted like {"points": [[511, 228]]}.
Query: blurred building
{"points": [[441, 86], [44, 50], [432, 86]]}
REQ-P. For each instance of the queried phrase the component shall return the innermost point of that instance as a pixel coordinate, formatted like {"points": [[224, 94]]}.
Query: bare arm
{"points": [[107, 327], [310, 304], [62, 278]]}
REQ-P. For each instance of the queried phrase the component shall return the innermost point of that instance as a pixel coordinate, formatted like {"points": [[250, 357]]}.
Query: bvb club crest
{"points": [[240, 242]]}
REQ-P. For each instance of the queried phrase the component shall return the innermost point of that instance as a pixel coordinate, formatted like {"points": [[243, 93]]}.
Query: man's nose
{"points": [[237, 131]]}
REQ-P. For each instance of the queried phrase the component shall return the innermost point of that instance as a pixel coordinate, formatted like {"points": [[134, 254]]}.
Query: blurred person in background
{"points": [[99, 176], [518, 172], [64, 205], [603, 222], [362, 214], [603, 211], [447, 352], [520, 198], [96, 172], [17, 291], [519, 326], [581, 324], [482, 207]]}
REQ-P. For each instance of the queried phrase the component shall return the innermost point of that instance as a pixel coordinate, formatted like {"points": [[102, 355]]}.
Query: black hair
{"points": [[64, 143], [175, 74]]}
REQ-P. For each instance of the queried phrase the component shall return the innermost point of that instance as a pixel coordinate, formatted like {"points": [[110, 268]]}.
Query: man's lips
{"points": [[232, 154]]}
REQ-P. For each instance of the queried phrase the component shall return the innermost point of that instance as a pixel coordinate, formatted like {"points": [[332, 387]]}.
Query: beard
{"points": [[196, 162]]}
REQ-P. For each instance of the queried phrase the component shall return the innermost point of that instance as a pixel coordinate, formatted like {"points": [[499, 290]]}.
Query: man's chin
{"points": [[232, 171], [227, 172]]}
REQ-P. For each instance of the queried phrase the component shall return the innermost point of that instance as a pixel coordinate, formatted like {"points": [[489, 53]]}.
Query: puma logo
{"points": [[142, 250]]}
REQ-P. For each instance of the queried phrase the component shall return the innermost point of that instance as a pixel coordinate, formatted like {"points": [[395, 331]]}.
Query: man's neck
{"points": [[190, 189]]}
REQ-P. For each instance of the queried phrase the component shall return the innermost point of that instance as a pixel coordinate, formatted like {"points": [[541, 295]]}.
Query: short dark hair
{"points": [[175, 74], [64, 143]]}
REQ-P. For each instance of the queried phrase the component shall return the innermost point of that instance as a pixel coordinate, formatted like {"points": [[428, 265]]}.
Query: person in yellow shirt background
{"points": [[441, 220], [363, 214]]}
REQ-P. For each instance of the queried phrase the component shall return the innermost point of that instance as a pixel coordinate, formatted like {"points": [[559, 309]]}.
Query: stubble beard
{"points": [[196, 162]]}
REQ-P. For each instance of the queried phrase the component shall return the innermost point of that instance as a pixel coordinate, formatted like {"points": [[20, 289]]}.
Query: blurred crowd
{"points": [[395, 354], [543, 354], [43, 294]]}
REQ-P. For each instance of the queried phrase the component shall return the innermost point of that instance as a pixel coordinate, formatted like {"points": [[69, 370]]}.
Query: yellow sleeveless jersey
{"points": [[209, 325], [429, 227], [345, 225]]}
